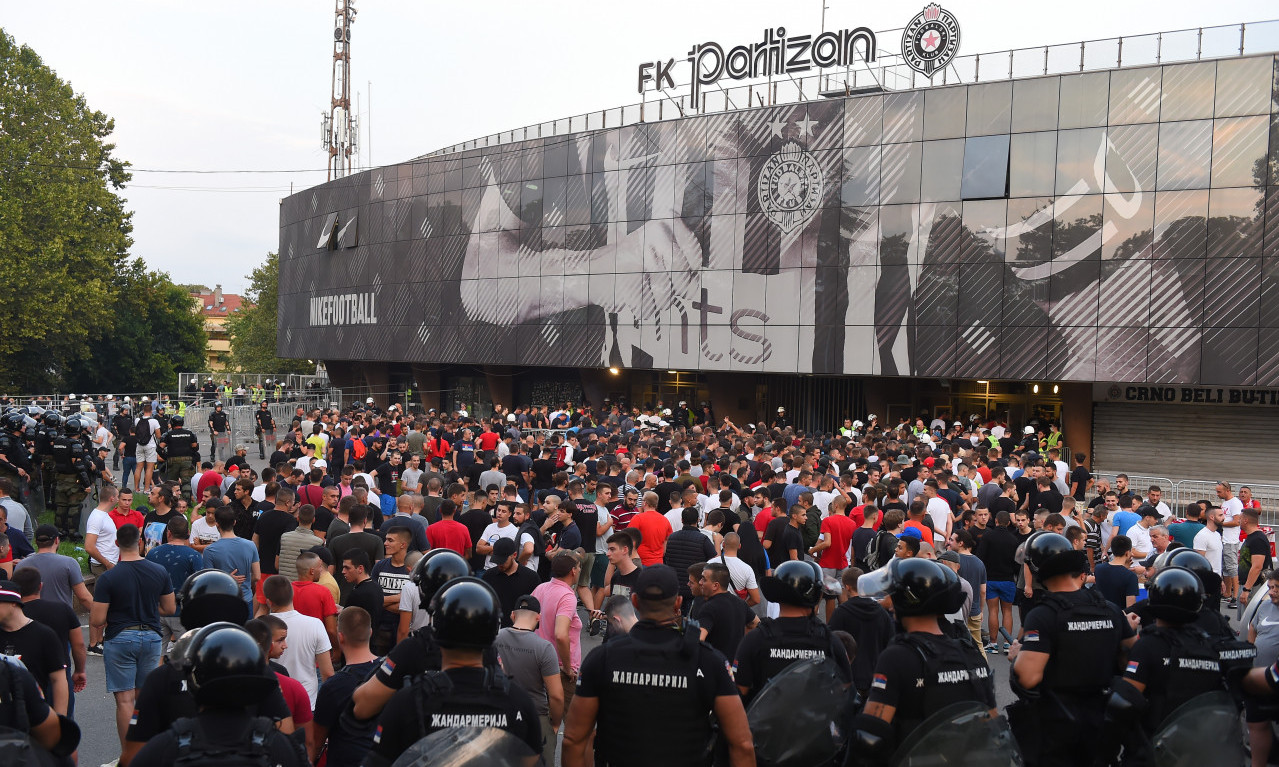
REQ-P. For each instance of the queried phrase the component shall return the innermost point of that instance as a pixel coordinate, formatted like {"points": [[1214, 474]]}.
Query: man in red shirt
{"points": [[488, 440], [124, 513], [447, 533], [831, 550], [211, 477], [654, 529], [311, 598]]}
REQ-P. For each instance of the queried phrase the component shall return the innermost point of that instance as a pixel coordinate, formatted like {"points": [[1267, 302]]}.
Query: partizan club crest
{"points": [[930, 40], [790, 187]]}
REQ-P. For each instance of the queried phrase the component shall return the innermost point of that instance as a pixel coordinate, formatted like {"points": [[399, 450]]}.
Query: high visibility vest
{"points": [[279, 391], [182, 408]]}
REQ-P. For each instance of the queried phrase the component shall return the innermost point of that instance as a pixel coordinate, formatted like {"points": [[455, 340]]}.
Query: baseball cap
{"points": [[46, 534], [9, 593], [911, 532], [657, 582], [1150, 511], [526, 602], [948, 556], [904, 460], [503, 549]]}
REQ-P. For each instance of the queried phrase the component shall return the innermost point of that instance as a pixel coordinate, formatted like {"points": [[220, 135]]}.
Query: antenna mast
{"points": [[341, 127]]}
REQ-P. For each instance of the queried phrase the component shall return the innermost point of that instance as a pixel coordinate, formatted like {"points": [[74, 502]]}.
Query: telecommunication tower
{"points": [[340, 126]]}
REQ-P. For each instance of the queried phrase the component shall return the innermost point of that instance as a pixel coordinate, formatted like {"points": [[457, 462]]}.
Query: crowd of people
{"points": [[391, 574]]}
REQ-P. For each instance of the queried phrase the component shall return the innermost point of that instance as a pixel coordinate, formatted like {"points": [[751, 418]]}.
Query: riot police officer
{"points": [[15, 460], [72, 472], [418, 652], [466, 692], [217, 427], [661, 674], [207, 597], [224, 669], [121, 428], [182, 450], [922, 670], [1072, 643], [50, 425], [796, 634], [265, 425], [1173, 662], [53, 737]]}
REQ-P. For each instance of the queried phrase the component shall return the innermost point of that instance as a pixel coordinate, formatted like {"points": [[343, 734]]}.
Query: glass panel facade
{"points": [[1106, 225]]}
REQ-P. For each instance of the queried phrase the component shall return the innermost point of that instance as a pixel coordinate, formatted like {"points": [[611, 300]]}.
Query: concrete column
{"points": [[427, 391], [377, 379], [501, 385], [1076, 419]]}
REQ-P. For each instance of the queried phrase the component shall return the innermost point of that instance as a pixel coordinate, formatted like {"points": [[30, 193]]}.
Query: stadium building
{"points": [[1086, 234]]}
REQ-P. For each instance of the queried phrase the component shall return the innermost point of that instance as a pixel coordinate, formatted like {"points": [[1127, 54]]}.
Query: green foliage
{"points": [[253, 328], [155, 335], [63, 229]]}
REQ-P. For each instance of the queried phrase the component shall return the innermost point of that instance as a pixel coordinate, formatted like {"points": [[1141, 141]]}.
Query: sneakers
{"points": [[1005, 648], [992, 648], [597, 626], [95, 649], [1232, 603]]}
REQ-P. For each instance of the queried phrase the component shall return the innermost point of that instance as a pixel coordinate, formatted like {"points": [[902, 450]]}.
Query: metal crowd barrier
{"points": [[1179, 492]]}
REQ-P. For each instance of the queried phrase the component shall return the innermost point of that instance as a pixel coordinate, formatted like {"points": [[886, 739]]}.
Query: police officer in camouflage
{"points": [[72, 470], [218, 426], [15, 461], [182, 449]]}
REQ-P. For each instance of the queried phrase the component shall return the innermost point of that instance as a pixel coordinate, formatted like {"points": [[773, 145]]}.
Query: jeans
{"points": [[129, 656], [130, 465]]}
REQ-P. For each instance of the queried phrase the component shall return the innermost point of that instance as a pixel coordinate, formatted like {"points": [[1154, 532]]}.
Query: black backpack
{"points": [[142, 430], [878, 554], [251, 750]]}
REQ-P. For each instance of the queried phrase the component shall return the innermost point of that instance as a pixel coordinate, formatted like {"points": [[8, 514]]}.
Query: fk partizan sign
{"points": [[929, 43]]}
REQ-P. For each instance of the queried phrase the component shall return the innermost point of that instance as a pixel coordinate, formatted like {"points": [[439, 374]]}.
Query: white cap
{"points": [[666, 412], [368, 401], [781, 410], [1028, 430], [510, 418], [957, 423], [872, 417]]}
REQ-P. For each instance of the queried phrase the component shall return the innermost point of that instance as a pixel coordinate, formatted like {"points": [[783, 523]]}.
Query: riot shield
{"points": [[1203, 730], [799, 719], [469, 747], [960, 735]]}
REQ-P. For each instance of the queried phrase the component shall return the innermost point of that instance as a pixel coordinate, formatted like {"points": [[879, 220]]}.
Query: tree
{"points": [[253, 328], [154, 336], [63, 229]]}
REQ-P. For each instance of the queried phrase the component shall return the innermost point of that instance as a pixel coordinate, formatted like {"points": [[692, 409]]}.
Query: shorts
{"points": [[170, 629], [830, 574], [387, 503], [1230, 559], [1004, 591], [129, 656], [598, 567], [146, 453], [588, 567]]}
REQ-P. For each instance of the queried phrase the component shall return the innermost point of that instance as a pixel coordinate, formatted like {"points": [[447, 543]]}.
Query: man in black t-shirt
{"points": [[1258, 560], [1080, 478], [363, 589], [59, 617], [782, 538], [508, 578], [621, 552], [723, 616], [345, 747], [35, 645], [543, 473], [270, 525]]}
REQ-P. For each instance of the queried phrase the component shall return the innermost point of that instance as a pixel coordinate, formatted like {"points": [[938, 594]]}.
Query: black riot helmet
{"points": [[13, 421], [1196, 563], [466, 614], [1051, 554], [917, 587], [217, 404], [226, 667], [73, 426], [211, 596], [1176, 595], [797, 583], [177, 421], [53, 419], [436, 568]]}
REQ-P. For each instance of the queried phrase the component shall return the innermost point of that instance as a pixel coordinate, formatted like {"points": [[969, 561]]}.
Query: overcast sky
{"points": [[242, 85]]}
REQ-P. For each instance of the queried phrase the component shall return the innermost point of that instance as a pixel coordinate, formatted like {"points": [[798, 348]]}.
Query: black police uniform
{"points": [[266, 425], [164, 699], [217, 425], [220, 736], [664, 677], [13, 455], [181, 451], [1175, 664], [1081, 633], [458, 697], [779, 642], [919, 674], [417, 654]]}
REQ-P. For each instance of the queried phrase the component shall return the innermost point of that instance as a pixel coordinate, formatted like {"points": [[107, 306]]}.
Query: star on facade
{"points": [[777, 126], [930, 40], [806, 126]]}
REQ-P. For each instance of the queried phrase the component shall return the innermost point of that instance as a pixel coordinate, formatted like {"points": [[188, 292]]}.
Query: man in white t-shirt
{"points": [[502, 528], [1208, 540], [1139, 533], [1154, 496], [741, 576], [308, 642], [100, 545], [526, 543], [1232, 510], [939, 510]]}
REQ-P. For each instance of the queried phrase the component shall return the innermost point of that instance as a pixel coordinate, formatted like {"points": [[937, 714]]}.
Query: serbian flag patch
{"points": [[388, 666], [879, 681], [1132, 667], [1030, 636]]}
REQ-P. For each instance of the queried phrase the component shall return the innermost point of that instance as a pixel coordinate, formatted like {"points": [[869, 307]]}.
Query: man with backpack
{"points": [[147, 431]]}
